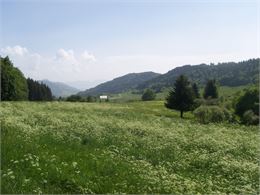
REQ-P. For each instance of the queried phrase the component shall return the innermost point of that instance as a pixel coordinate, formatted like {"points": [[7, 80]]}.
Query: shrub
{"points": [[202, 114], [74, 98], [250, 118], [214, 114], [148, 95]]}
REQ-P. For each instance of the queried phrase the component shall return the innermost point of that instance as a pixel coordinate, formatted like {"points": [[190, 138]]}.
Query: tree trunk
{"points": [[181, 113]]}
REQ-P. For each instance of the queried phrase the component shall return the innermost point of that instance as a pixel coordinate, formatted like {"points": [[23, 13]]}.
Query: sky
{"points": [[98, 40]]}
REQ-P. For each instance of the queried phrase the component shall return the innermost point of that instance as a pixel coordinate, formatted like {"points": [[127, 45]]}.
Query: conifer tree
{"points": [[181, 97]]}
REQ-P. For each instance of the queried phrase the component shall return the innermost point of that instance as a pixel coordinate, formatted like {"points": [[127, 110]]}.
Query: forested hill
{"points": [[120, 84], [226, 74], [60, 89]]}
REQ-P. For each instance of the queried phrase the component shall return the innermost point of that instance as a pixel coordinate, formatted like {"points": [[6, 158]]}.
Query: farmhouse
{"points": [[103, 97]]}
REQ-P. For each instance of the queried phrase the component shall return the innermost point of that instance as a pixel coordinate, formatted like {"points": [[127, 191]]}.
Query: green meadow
{"points": [[137, 147]]}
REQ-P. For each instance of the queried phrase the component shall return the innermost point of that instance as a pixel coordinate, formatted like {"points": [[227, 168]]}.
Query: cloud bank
{"points": [[64, 65]]}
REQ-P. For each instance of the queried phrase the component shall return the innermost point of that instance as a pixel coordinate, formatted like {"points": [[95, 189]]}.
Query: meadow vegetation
{"points": [[134, 147]]}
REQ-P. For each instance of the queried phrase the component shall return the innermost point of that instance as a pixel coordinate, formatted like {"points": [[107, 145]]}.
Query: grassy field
{"points": [[138, 147]]}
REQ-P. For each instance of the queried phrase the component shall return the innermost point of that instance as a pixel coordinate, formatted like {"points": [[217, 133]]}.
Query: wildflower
{"points": [[74, 164], [12, 177], [26, 180], [10, 173]]}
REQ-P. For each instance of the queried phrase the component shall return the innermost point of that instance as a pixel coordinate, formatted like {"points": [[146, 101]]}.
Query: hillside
{"points": [[60, 89], [227, 74], [120, 84]]}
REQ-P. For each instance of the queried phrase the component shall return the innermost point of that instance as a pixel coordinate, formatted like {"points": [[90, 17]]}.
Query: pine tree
{"points": [[195, 90], [38, 91], [181, 97], [211, 90]]}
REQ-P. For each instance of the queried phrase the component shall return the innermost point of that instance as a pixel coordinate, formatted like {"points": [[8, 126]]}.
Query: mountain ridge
{"points": [[226, 74], [60, 89], [120, 84]]}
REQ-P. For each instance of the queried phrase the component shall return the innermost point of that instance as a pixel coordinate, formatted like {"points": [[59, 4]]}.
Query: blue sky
{"points": [[99, 40]]}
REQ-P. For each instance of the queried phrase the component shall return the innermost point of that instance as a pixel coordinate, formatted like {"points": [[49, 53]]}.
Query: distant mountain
{"points": [[60, 89], [120, 84], [83, 85], [227, 74]]}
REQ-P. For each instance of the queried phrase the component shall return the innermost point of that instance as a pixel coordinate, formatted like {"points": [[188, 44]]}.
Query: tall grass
{"points": [[139, 147]]}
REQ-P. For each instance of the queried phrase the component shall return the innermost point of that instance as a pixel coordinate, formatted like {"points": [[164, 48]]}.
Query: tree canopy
{"points": [[248, 101], [148, 95], [13, 82], [210, 90], [195, 90], [38, 91], [181, 97]]}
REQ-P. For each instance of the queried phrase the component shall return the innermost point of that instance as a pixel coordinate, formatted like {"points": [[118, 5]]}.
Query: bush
{"points": [[91, 99], [148, 95], [214, 114], [74, 98], [250, 118], [202, 114]]}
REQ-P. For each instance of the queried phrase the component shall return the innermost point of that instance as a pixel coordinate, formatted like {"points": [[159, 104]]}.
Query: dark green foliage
{"points": [[211, 90], [91, 99], [227, 74], [250, 118], [120, 84], [38, 91], [148, 95], [195, 90], [13, 82], [248, 101], [74, 98], [181, 97], [212, 114]]}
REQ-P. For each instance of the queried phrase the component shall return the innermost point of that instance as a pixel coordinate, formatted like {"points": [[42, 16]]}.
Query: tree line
{"points": [[14, 86], [185, 96]]}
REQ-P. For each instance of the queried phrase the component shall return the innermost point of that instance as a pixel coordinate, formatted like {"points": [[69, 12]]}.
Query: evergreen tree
{"points": [[248, 101], [195, 90], [38, 91], [210, 90], [13, 82], [181, 97]]}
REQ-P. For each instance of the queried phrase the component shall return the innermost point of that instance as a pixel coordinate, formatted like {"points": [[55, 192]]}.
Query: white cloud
{"points": [[68, 55], [87, 56], [16, 50], [64, 65]]}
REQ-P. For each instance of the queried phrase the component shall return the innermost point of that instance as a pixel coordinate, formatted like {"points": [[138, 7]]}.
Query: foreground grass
{"points": [[137, 147]]}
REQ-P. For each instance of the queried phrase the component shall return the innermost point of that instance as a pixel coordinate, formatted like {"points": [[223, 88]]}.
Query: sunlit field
{"points": [[139, 147]]}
